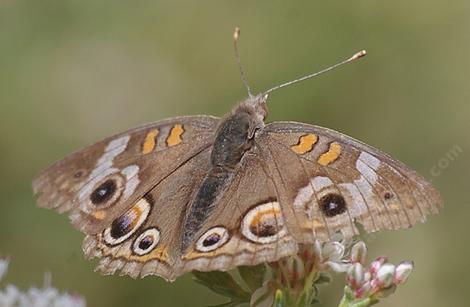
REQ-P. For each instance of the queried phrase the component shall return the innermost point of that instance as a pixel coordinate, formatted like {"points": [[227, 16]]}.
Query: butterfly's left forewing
{"points": [[99, 182], [333, 182]]}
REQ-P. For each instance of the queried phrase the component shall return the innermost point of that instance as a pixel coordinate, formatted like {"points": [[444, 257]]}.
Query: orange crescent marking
{"points": [[150, 142], [175, 135], [259, 216], [305, 144], [331, 155]]}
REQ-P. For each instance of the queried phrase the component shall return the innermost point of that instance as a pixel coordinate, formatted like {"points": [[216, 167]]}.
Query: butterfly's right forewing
{"points": [[334, 182]]}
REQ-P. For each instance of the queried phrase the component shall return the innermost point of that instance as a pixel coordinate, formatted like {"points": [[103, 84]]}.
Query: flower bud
{"points": [[385, 275], [356, 275], [358, 252], [317, 248], [376, 264], [402, 272]]}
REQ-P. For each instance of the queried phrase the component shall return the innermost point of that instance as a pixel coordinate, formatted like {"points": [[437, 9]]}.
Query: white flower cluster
{"points": [[11, 296]]}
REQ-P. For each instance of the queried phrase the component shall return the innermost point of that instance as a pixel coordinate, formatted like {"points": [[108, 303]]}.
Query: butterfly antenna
{"points": [[236, 36], [356, 56]]}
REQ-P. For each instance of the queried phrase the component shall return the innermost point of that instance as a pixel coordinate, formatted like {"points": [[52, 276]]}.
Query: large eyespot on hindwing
{"points": [[264, 223], [212, 239], [146, 241], [128, 223], [332, 204]]}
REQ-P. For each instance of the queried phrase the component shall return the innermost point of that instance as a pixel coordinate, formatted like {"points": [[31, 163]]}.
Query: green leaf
{"points": [[348, 293], [253, 276], [222, 283]]}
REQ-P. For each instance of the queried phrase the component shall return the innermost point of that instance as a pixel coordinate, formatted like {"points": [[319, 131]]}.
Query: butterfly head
{"points": [[256, 107]]}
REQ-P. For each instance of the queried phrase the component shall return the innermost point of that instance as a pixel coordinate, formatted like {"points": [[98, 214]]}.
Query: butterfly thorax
{"points": [[233, 138]]}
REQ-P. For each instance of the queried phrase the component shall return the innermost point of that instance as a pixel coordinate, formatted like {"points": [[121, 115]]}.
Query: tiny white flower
{"points": [[333, 251]]}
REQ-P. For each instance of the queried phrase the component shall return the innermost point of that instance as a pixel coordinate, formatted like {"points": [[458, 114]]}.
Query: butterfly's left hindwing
{"points": [[332, 182]]}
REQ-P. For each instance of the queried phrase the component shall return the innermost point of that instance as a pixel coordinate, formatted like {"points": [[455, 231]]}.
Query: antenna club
{"points": [[359, 55], [236, 33]]}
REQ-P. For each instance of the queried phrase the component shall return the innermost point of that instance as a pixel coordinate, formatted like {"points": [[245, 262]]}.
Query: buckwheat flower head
{"points": [[36, 297]]}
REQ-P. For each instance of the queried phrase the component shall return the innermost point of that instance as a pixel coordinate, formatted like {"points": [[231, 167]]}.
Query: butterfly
{"points": [[207, 193]]}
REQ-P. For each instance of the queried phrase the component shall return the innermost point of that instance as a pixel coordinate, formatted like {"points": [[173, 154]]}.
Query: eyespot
{"points": [[107, 191], [146, 241], [128, 223], [332, 204], [104, 192], [263, 223], [212, 239]]}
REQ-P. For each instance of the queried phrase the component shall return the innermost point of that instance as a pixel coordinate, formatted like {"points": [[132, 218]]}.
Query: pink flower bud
{"points": [[376, 264], [358, 252], [402, 272], [385, 275], [356, 275]]}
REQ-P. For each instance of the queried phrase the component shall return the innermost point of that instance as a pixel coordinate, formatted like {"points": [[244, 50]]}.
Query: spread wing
{"points": [[112, 188], [333, 181]]}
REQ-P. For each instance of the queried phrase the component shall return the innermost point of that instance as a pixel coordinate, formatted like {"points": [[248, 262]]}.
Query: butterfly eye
{"points": [[146, 241], [263, 223], [107, 192], [332, 204], [128, 223], [212, 239]]}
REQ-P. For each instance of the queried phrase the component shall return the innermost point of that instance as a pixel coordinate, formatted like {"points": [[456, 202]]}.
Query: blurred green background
{"points": [[73, 72]]}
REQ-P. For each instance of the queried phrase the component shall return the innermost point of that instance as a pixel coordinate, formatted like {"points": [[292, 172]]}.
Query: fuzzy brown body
{"points": [[203, 193]]}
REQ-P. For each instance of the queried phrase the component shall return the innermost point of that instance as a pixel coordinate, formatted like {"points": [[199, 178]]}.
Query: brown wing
{"points": [[332, 182], [99, 184]]}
